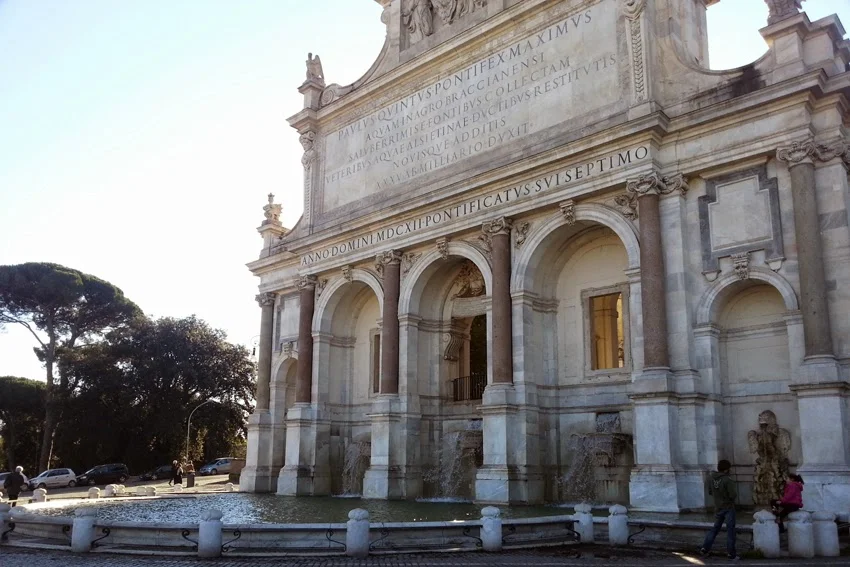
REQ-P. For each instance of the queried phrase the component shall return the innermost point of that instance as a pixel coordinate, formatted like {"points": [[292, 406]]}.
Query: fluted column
{"points": [[264, 363], [648, 189], [499, 233], [304, 378], [389, 266], [813, 301]]}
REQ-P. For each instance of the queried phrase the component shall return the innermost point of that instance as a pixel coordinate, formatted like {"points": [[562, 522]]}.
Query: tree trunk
{"points": [[49, 400], [9, 439]]}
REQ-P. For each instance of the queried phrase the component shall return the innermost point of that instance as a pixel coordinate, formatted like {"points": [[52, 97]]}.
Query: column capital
{"points": [[837, 149], [656, 184], [308, 282], [388, 257], [266, 299], [496, 227], [798, 152]]}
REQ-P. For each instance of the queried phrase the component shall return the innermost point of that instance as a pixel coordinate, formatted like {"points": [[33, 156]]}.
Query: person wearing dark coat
{"points": [[725, 493], [14, 483], [176, 474]]}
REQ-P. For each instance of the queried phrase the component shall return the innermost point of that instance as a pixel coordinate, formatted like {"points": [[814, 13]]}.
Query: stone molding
{"points": [[705, 311], [774, 246], [321, 316], [266, 299], [656, 184]]}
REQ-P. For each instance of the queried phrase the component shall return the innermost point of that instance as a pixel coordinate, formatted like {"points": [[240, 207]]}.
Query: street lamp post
{"points": [[189, 424]]}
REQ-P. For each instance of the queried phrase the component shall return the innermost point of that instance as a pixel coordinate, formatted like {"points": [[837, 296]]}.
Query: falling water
{"points": [[452, 474], [578, 484], [354, 466]]}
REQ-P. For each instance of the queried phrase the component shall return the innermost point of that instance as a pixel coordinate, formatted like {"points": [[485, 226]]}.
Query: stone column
{"points": [[264, 363], [304, 378], [499, 233], [653, 484], [305, 470], [818, 385], [389, 266], [257, 475]]}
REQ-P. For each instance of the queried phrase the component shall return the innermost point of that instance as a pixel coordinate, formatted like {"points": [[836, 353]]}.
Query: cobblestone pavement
{"points": [[11, 557]]}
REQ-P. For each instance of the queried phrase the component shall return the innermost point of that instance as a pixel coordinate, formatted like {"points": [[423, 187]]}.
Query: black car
{"points": [[158, 473], [104, 474]]}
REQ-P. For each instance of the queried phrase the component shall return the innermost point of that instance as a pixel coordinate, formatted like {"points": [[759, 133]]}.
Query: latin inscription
{"points": [[574, 174], [559, 73]]}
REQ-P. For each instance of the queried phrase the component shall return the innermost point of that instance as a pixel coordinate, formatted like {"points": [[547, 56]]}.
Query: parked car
{"points": [[54, 478], [104, 474], [222, 465], [158, 473]]}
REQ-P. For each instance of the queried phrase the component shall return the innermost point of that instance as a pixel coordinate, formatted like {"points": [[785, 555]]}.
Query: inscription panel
{"points": [[557, 74]]}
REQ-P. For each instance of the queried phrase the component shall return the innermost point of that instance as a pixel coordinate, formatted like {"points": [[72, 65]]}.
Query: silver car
{"points": [[54, 478]]}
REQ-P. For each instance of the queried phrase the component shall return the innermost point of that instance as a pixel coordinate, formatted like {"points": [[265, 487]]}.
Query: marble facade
{"points": [[557, 151]]}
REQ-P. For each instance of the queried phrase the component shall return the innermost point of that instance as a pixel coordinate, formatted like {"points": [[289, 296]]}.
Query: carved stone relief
{"points": [[443, 247], [568, 210], [741, 265], [422, 17], [407, 262], [521, 232], [314, 70], [346, 273], [779, 10], [627, 202], [771, 444], [469, 281], [272, 211]]}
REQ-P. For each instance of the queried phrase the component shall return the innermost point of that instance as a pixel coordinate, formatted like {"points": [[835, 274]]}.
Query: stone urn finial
{"points": [[272, 211]]}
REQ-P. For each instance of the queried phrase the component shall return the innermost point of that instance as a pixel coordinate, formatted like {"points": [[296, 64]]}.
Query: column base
{"points": [[822, 369], [391, 483], [257, 475], [507, 485], [654, 489], [827, 488], [306, 472]]}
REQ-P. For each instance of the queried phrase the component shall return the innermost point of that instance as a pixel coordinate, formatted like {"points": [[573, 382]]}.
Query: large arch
{"points": [[330, 298], [524, 265], [415, 281], [716, 294]]}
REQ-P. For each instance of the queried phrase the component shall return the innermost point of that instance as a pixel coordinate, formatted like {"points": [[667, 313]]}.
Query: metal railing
{"points": [[469, 387]]}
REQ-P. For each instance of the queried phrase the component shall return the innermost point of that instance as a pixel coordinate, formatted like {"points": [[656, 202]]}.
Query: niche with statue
{"points": [[598, 463]]}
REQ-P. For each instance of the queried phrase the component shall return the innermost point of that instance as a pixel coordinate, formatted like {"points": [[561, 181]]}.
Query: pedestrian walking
{"points": [[791, 501], [725, 493], [14, 483], [176, 474]]}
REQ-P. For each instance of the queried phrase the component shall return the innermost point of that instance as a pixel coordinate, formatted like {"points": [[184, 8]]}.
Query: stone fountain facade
{"points": [[643, 236]]}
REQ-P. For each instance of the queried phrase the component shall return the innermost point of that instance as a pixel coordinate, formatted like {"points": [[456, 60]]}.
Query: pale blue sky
{"points": [[138, 140]]}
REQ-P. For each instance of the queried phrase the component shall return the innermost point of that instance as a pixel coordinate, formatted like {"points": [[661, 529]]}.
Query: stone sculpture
{"points": [[781, 9], [272, 211], [420, 18], [771, 444], [314, 69], [445, 9], [470, 281]]}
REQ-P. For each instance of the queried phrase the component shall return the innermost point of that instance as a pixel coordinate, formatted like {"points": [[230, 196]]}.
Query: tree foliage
{"points": [[64, 309], [21, 415], [135, 390]]}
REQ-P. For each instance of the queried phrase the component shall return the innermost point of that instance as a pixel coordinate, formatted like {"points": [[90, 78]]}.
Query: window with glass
{"points": [[606, 328]]}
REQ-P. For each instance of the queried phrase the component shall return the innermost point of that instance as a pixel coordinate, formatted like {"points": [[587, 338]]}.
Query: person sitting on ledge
{"points": [[791, 501]]}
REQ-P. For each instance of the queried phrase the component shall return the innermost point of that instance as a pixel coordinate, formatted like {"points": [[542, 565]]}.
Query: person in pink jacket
{"points": [[791, 501]]}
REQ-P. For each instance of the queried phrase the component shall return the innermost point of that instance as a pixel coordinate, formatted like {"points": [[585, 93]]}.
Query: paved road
{"points": [[10, 557]]}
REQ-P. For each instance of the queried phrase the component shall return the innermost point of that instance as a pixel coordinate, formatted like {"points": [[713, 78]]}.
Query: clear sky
{"points": [[138, 140]]}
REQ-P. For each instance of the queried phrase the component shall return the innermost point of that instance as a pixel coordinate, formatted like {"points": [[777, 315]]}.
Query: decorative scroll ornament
{"points": [[346, 273], [568, 210], [407, 262], [633, 10], [443, 247], [307, 282], [741, 265], [779, 10], [655, 184], [836, 150], [384, 258], [308, 141], [796, 152], [314, 70], [454, 342], [321, 284], [522, 233], [628, 205], [272, 211], [469, 281], [501, 225], [266, 299]]}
